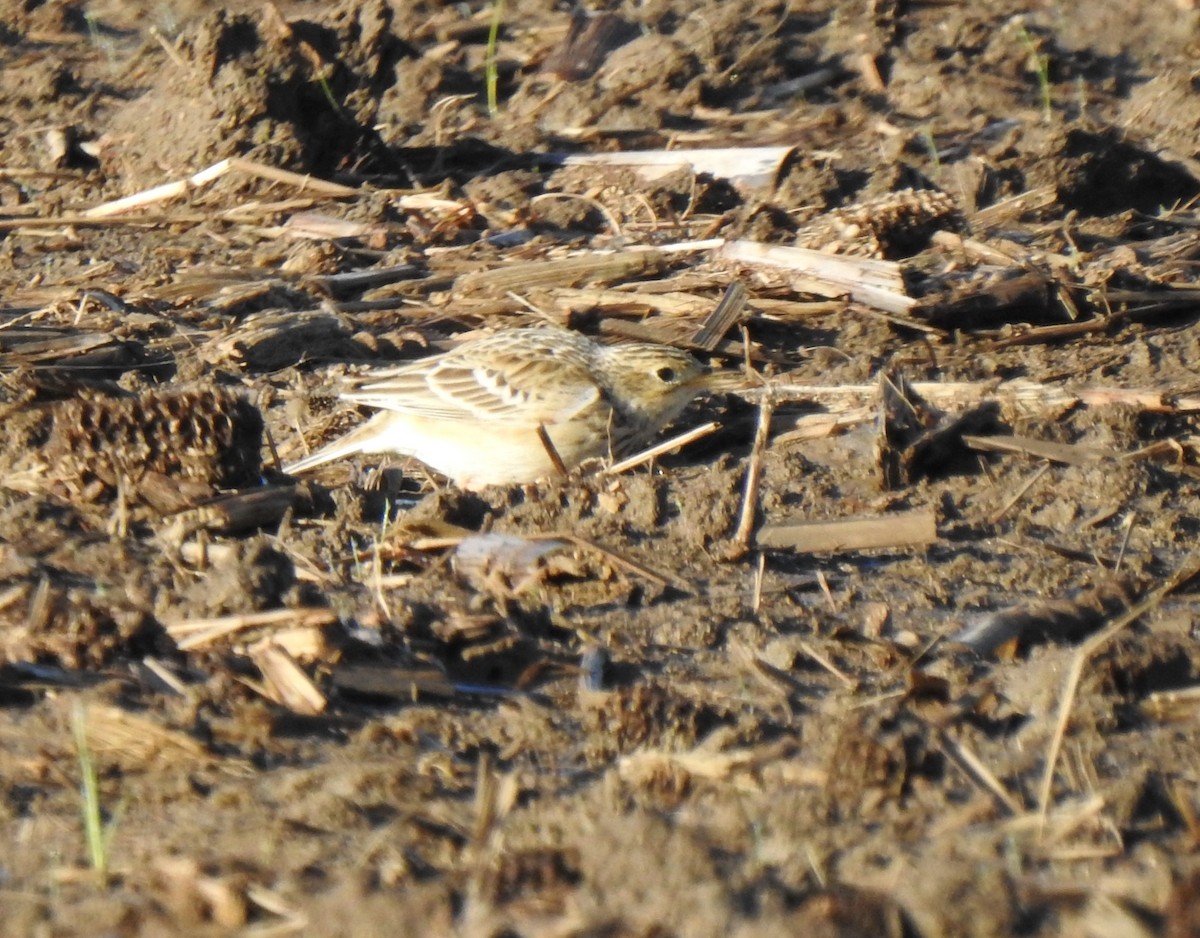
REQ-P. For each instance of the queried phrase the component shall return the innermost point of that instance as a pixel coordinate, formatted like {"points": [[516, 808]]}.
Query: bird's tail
{"points": [[357, 441]]}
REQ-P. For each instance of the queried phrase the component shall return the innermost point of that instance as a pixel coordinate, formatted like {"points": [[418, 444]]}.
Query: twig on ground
{"points": [[722, 318], [895, 529], [749, 512], [212, 173], [666, 446]]}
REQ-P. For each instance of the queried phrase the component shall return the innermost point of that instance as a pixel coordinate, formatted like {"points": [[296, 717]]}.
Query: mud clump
{"points": [[1101, 172], [301, 95]]}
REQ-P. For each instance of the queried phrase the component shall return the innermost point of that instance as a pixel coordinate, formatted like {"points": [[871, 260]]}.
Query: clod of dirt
{"points": [[640, 716], [1163, 108], [77, 630], [1104, 172], [302, 95], [253, 575]]}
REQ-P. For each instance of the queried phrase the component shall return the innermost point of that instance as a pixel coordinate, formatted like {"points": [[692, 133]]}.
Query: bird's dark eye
{"points": [[666, 374]]}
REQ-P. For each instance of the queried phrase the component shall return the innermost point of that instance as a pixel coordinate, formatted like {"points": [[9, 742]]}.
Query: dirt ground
{"points": [[367, 703]]}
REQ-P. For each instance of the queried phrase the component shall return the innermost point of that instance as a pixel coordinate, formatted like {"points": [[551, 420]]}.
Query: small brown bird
{"points": [[478, 413]]}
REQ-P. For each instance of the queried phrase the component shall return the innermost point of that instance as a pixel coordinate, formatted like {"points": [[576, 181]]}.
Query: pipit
{"points": [[519, 404]]}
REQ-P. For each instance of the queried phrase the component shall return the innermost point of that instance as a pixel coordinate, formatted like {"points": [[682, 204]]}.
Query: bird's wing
{"points": [[523, 385]]}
